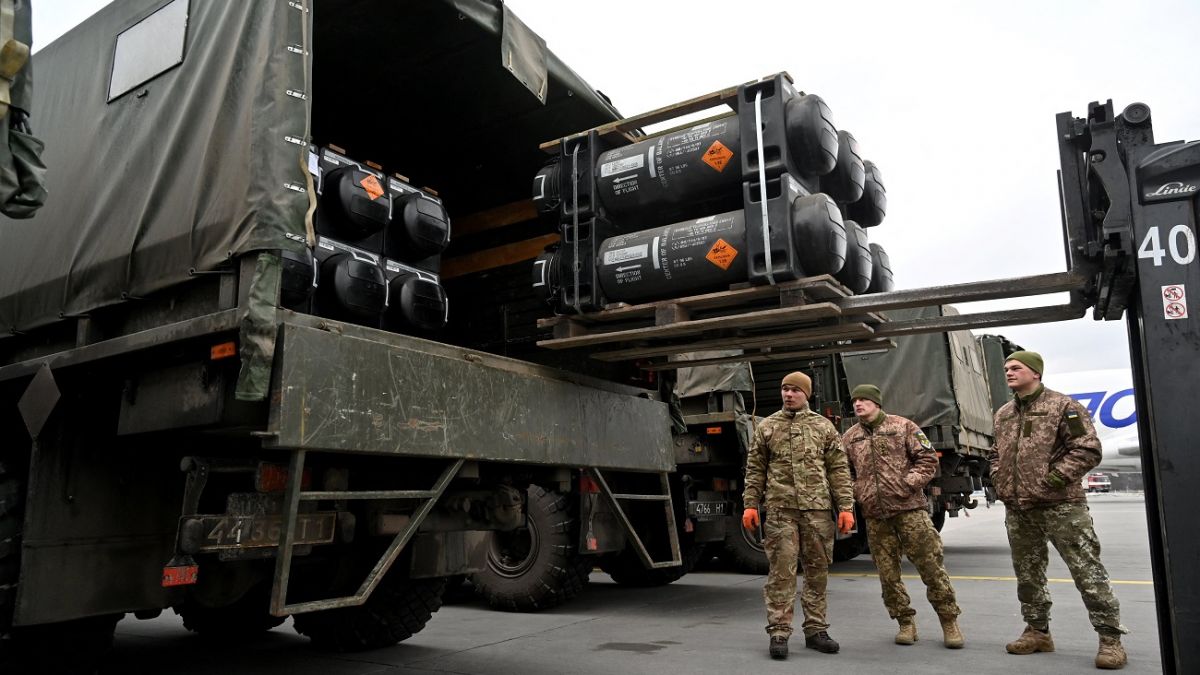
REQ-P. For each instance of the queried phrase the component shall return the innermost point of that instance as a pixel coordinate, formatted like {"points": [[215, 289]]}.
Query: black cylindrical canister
{"points": [[708, 254], [703, 161], [871, 208], [881, 271], [352, 286], [419, 228], [355, 203], [417, 302], [856, 273], [845, 183], [299, 278]]}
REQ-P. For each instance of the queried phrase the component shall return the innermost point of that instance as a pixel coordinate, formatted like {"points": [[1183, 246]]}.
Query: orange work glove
{"points": [[750, 519], [845, 522]]}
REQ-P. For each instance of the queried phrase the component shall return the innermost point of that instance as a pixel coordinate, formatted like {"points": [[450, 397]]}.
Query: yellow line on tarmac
{"points": [[856, 575]]}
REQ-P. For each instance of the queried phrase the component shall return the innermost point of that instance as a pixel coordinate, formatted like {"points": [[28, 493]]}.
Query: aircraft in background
{"points": [[1108, 396]]}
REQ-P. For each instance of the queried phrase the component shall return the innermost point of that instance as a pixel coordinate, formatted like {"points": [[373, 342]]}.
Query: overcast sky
{"points": [[954, 101]]}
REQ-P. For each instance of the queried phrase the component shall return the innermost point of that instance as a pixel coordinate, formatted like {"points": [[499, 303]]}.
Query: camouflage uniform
{"points": [[1045, 434], [797, 459], [893, 461]]}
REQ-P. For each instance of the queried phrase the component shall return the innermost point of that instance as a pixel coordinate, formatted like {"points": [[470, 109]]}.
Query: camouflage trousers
{"points": [[910, 533], [805, 537], [1069, 528]]}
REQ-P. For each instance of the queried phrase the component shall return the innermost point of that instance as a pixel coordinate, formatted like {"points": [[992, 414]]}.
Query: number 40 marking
{"points": [[1151, 246]]}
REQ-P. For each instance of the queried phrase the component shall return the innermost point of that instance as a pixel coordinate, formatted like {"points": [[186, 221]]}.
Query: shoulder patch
{"points": [[1074, 423], [924, 440]]}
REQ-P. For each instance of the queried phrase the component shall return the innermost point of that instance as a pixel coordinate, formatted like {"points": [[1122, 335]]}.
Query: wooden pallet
{"points": [[758, 319], [628, 130]]}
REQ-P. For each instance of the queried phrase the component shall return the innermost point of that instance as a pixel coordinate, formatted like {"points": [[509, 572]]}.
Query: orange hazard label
{"points": [[372, 186], [721, 254], [717, 155]]}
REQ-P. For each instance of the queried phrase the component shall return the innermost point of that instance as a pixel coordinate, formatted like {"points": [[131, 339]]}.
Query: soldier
{"points": [[797, 459], [1045, 444], [893, 461]]}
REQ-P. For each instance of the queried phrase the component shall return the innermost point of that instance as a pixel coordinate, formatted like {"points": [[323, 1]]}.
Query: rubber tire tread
{"points": [[739, 553], [394, 612], [246, 617], [560, 572]]}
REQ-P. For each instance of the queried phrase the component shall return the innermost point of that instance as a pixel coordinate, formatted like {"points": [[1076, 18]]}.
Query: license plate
{"points": [[708, 508], [225, 532]]}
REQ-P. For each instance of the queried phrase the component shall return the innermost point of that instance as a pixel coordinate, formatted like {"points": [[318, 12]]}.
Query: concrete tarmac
{"points": [[712, 622]]}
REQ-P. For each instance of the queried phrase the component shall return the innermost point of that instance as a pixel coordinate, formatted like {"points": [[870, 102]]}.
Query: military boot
{"points": [[952, 637], [1032, 640], [822, 643], [779, 648], [908, 631], [1111, 655]]}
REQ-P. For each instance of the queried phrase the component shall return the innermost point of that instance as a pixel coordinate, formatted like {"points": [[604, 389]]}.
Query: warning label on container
{"points": [[372, 186], [617, 166], [627, 254], [717, 155], [721, 254], [1174, 301]]}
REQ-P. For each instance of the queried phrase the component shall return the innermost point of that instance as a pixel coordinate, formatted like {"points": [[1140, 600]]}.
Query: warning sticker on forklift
{"points": [[717, 155], [372, 186], [721, 254], [1174, 299]]}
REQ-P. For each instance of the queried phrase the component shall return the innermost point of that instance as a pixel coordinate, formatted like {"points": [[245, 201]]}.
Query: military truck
{"points": [[243, 372]]}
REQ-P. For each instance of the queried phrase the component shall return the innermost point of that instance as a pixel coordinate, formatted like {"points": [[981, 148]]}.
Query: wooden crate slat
{"points": [[761, 357], [790, 338], [823, 284], [768, 317]]}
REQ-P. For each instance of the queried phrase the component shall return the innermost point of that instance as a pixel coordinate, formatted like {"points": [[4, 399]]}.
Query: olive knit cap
{"points": [[800, 381], [1032, 360], [869, 392]]}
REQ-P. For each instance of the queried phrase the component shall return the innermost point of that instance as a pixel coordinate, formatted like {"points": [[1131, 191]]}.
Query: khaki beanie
{"points": [[869, 392], [1032, 360], [800, 381]]}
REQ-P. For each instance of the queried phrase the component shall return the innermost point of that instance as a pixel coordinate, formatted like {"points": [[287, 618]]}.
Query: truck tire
{"points": [[538, 566], [248, 616], [626, 567], [743, 549], [398, 609], [849, 549]]}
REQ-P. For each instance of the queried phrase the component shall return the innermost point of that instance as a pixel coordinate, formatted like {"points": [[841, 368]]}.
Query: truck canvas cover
{"points": [[158, 175], [934, 380]]}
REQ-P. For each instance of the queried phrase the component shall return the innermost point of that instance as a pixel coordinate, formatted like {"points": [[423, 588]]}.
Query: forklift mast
{"points": [[1129, 216]]}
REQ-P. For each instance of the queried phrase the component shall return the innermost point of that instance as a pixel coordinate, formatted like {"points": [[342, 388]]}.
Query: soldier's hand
{"points": [[845, 522], [1056, 480], [750, 519]]}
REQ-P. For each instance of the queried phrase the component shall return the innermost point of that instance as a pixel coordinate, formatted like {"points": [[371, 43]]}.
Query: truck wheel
{"points": [[538, 566], [743, 548], [248, 616], [398, 609], [626, 567], [849, 549]]}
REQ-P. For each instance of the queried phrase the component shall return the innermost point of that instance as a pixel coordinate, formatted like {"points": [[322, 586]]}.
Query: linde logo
{"points": [[1172, 188]]}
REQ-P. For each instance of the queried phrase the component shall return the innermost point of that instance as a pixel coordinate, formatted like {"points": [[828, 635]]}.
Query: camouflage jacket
{"points": [[797, 459], [893, 461], [1044, 432]]}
